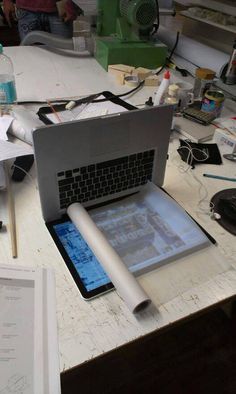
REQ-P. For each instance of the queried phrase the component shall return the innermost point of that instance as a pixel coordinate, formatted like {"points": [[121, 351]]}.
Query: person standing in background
{"points": [[41, 15]]}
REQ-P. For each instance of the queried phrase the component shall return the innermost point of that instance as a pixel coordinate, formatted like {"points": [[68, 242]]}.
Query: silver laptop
{"points": [[100, 159]]}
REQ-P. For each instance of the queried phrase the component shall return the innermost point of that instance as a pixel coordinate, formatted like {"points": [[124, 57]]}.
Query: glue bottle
{"points": [[160, 94], [7, 83]]}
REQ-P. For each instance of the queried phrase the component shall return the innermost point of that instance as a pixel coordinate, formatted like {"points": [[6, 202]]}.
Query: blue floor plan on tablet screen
{"points": [[86, 264]]}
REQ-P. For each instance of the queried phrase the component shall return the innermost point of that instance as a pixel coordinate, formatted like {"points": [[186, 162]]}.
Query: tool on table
{"points": [[230, 156], [11, 211]]}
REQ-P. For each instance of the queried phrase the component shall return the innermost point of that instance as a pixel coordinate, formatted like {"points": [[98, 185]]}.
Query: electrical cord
{"points": [[27, 174], [204, 206], [168, 59], [140, 85], [156, 25], [87, 98], [191, 156]]}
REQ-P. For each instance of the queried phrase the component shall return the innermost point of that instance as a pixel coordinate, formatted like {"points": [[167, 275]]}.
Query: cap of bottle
{"points": [[166, 75], [205, 73]]}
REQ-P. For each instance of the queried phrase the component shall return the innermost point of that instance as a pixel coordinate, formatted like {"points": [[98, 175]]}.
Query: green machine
{"points": [[124, 34]]}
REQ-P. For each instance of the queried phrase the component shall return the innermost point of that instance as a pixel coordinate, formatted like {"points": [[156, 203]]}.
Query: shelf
{"points": [[231, 29], [225, 6]]}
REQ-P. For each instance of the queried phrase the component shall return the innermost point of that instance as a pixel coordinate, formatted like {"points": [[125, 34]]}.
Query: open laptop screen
{"points": [[95, 160]]}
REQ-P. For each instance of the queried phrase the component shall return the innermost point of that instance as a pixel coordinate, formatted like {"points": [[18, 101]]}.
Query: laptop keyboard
{"points": [[105, 178]]}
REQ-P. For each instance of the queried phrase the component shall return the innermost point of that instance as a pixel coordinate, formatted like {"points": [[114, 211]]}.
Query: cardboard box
{"points": [[119, 71], [142, 73], [225, 140], [112, 68], [152, 80]]}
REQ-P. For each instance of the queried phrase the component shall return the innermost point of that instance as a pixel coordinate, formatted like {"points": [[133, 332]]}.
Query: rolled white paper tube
{"points": [[195, 52], [125, 283]]}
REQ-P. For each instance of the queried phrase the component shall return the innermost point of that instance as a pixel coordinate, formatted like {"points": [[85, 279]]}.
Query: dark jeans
{"points": [[50, 22]]}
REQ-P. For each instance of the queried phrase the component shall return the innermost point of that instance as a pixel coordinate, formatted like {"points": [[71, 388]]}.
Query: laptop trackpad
{"points": [[111, 138]]}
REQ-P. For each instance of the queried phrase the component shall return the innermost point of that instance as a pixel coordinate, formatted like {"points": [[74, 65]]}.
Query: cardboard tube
{"points": [[125, 283]]}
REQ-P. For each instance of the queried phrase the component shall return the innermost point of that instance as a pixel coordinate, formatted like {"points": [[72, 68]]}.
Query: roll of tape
{"points": [[131, 80]]}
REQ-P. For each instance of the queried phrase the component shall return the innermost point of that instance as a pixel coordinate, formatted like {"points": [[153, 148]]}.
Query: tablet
{"points": [[85, 269]]}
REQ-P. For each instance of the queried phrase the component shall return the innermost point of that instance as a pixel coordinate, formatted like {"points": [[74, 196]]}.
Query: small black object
{"points": [[182, 71], [204, 118], [194, 153], [21, 163], [149, 102], [224, 203], [0, 224]]}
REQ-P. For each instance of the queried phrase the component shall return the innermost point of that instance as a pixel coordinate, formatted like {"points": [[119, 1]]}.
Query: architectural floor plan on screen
{"points": [[146, 230]]}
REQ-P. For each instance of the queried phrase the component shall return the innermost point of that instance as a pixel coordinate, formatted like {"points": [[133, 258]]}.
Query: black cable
{"points": [[87, 98], [43, 102], [156, 25], [168, 59], [174, 47], [119, 95]]}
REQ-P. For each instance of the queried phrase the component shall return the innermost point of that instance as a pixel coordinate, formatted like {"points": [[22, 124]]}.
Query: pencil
{"points": [[224, 178], [11, 212], [54, 111]]}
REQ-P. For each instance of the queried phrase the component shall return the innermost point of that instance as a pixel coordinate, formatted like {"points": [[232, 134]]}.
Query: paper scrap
{"points": [[88, 111], [5, 122], [8, 150]]}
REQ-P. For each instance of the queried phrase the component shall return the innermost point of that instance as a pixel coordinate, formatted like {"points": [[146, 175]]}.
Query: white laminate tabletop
{"points": [[178, 290], [48, 74]]}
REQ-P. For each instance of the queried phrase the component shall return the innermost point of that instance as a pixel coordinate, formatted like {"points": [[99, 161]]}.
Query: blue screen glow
{"points": [[86, 264]]}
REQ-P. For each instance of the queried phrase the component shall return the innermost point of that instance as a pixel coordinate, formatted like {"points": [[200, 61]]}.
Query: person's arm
{"points": [[67, 10], [9, 11]]}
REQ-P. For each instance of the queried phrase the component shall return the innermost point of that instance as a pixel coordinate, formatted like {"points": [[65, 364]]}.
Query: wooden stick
{"points": [[54, 111], [11, 212]]}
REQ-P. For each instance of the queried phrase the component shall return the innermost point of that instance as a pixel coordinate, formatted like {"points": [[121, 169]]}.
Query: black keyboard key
{"points": [[68, 174], [111, 163], [64, 188], [66, 181]]}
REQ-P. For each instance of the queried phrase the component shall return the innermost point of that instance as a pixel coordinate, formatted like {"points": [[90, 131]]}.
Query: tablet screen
{"points": [[83, 265]]}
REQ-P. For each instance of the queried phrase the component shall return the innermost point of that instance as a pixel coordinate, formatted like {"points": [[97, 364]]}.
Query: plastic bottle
{"points": [[173, 99], [160, 94], [7, 82], [172, 96]]}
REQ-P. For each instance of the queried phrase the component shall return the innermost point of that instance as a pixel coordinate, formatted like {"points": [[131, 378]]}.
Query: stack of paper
{"points": [[29, 362]]}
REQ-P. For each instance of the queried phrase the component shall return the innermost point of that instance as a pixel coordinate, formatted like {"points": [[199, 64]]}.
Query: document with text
{"points": [[29, 362]]}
